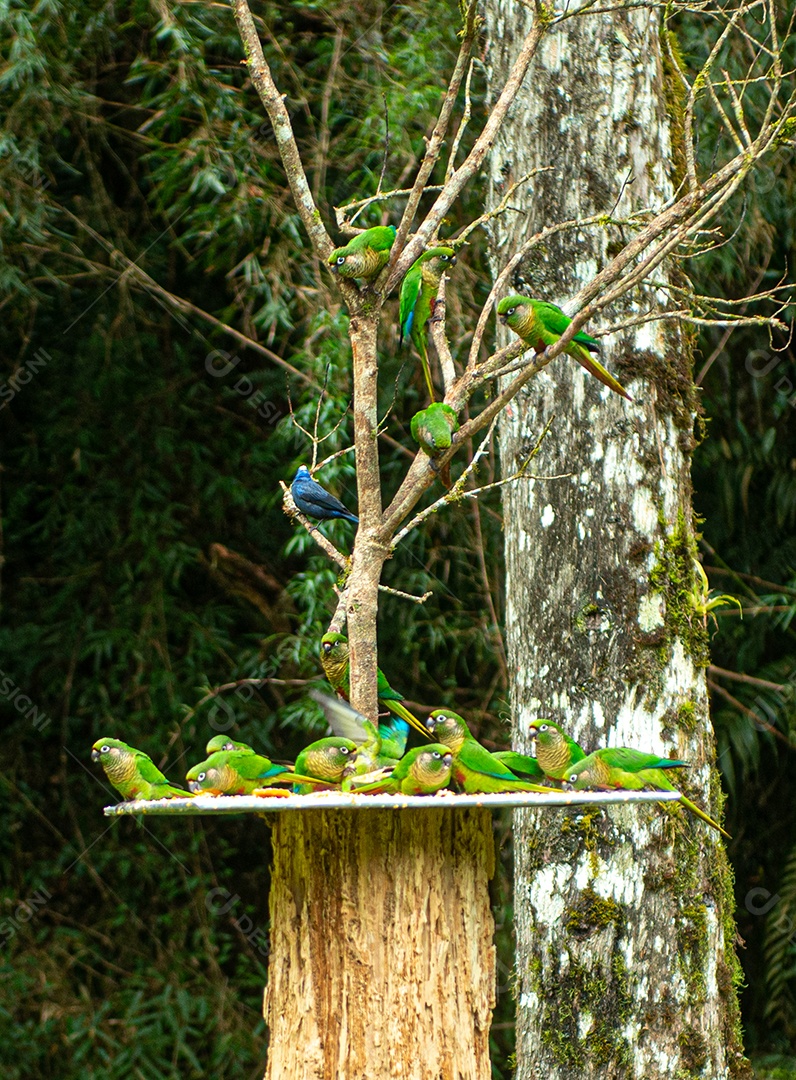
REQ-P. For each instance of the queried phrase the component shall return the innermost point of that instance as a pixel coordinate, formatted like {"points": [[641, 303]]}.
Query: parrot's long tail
{"points": [[427, 373], [705, 817], [399, 710], [595, 368]]}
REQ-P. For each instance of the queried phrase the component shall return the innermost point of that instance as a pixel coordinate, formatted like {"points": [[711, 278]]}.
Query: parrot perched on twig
{"points": [[432, 428], [365, 255], [132, 772], [540, 324], [422, 771], [335, 664], [620, 767], [417, 300], [474, 768]]}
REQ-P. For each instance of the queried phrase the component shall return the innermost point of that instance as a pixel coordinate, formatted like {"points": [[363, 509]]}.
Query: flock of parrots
{"points": [[364, 758]]}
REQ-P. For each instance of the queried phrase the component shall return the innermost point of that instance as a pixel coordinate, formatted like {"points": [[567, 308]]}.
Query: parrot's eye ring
{"points": [[436, 755], [542, 727], [572, 777], [201, 776], [344, 751], [511, 311], [105, 749], [341, 259]]}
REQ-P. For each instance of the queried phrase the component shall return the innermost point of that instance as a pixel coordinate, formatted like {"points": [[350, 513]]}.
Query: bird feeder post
{"points": [[382, 960]]}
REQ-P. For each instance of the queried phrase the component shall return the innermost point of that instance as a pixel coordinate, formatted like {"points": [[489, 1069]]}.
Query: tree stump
{"points": [[382, 959]]}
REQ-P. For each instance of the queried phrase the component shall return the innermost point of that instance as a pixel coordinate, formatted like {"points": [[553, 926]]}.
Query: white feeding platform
{"points": [[342, 800]]}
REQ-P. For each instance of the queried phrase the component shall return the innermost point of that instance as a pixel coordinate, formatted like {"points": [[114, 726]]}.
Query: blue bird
{"points": [[315, 501]]}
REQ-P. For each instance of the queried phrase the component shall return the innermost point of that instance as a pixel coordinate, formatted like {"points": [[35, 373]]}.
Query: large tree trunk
{"points": [[382, 963], [624, 918]]}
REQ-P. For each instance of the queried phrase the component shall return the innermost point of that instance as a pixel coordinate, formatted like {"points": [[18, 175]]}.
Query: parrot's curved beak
{"points": [[504, 319], [447, 760], [327, 647], [430, 722], [194, 786], [95, 755]]}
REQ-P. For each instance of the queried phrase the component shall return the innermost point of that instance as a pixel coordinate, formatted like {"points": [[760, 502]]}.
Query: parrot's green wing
{"points": [[148, 770], [629, 760], [477, 757], [521, 765], [380, 237], [344, 720], [410, 290]]}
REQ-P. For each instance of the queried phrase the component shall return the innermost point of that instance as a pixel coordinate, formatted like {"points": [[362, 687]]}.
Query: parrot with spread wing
{"points": [[422, 771], [556, 752], [540, 324], [132, 772], [417, 299], [474, 768], [365, 255], [223, 742], [314, 501], [325, 760], [335, 664], [432, 429], [235, 772], [377, 747], [631, 770]]}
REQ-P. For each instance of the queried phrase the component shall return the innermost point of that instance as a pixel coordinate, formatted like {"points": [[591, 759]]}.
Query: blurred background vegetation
{"points": [[152, 268]]}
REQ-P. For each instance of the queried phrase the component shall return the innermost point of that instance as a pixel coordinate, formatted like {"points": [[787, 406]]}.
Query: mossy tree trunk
{"points": [[624, 918], [382, 963]]}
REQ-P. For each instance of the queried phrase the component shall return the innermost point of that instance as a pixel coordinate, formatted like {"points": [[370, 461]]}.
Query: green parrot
{"points": [[631, 770], [422, 771], [365, 255], [235, 772], [133, 773], [540, 324], [325, 760], [521, 765], [417, 299], [334, 661], [475, 770], [432, 429], [377, 747], [556, 752], [223, 742]]}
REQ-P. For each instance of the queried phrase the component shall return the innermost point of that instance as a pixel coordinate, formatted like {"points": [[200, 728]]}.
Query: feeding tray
{"points": [[339, 800]]}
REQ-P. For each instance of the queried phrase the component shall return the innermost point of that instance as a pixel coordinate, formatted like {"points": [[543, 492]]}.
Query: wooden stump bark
{"points": [[382, 959]]}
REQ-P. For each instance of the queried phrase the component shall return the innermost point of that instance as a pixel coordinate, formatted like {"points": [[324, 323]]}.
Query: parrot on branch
{"points": [[132, 772], [335, 664], [422, 771], [540, 324], [315, 501], [417, 300], [475, 770], [365, 255], [556, 752], [631, 770], [432, 429]]}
